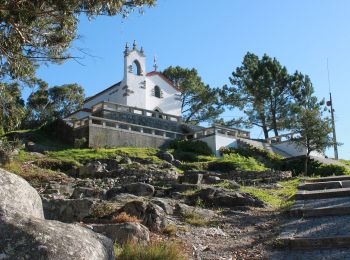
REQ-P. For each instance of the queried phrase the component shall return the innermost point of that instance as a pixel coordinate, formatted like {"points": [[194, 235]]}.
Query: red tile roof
{"points": [[153, 73]]}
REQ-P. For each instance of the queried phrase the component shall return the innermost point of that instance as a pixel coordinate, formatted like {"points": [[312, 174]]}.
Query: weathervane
{"points": [[155, 66]]}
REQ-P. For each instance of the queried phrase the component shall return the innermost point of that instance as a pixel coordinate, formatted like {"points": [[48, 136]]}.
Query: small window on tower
{"points": [[136, 68], [157, 91]]}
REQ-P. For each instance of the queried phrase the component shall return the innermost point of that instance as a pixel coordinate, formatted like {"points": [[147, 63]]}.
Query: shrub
{"points": [[170, 230], [6, 150], [103, 209], [124, 217], [79, 142], [197, 147], [155, 251], [55, 164], [267, 158], [314, 167], [232, 162]]}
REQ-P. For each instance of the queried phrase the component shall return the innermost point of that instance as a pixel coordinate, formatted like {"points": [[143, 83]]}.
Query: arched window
{"points": [[157, 91], [136, 68]]}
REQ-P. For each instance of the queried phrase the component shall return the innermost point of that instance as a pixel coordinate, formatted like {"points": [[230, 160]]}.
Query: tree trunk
{"points": [[306, 164], [266, 132]]}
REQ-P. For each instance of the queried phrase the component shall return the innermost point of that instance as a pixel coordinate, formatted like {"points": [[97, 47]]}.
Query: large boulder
{"points": [[137, 188], [219, 197], [152, 215], [26, 237], [87, 192], [122, 233], [25, 234], [67, 210], [166, 156], [17, 194]]}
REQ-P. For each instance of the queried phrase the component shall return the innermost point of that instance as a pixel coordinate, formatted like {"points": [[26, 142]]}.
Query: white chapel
{"points": [[140, 89]]}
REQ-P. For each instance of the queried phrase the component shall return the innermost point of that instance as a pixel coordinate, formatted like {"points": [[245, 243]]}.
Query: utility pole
{"points": [[330, 103]]}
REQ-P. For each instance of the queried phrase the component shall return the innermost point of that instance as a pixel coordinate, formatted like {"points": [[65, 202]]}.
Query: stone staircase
{"points": [[319, 224], [263, 145]]}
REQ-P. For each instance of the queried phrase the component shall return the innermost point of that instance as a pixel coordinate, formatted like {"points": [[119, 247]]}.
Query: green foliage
{"points": [[6, 150], [12, 109], [231, 162], [35, 32], [330, 169], [79, 142], [56, 164], [260, 87], [280, 198], [193, 218], [199, 101], [84, 155], [190, 149], [346, 162], [167, 250], [47, 104], [170, 230], [267, 158]]}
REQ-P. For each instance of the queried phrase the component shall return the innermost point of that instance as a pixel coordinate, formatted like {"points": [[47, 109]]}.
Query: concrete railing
{"points": [[115, 107], [280, 138], [118, 125], [230, 132]]}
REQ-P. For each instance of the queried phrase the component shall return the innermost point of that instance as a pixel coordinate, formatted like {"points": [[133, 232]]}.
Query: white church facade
{"points": [[150, 91]]}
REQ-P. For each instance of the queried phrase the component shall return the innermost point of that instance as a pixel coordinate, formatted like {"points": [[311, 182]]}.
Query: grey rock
{"points": [[17, 194], [137, 188], [67, 210], [86, 192], [27, 237], [177, 163], [184, 187], [122, 233], [212, 180], [93, 169], [166, 204], [192, 177], [151, 214], [166, 156], [126, 160], [219, 197], [181, 208]]}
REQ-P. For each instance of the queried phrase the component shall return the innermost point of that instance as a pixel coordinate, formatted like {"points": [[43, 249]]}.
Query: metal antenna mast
{"points": [[330, 103]]}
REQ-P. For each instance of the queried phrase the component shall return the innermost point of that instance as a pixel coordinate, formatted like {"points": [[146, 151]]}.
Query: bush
{"points": [[124, 217], [155, 251], [296, 165], [197, 147], [80, 142], [170, 230], [232, 162], [267, 158], [6, 150], [55, 164]]}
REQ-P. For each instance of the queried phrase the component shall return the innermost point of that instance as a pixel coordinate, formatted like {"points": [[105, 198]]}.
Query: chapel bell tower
{"points": [[134, 76]]}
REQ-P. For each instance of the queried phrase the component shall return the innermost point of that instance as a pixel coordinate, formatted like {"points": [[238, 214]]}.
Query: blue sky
{"points": [[213, 37]]}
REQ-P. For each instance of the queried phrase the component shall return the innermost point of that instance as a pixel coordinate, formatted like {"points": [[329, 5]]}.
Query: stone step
{"points": [[320, 233], [311, 254], [321, 207], [324, 185], [322, 194], [327, 179]]}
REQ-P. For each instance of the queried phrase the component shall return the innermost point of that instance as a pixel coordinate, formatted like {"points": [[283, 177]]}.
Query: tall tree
{"points": [[308, 123], [260, 87], [199, 102], [48, 104], [12, 108], [38, 31]]}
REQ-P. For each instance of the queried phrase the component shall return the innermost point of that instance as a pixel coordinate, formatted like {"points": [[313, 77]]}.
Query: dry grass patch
{"points": [[163, 250], [124, 217]]}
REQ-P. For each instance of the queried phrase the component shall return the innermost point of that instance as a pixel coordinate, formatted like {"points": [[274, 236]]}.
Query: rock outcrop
{"points": [[25, 234]]}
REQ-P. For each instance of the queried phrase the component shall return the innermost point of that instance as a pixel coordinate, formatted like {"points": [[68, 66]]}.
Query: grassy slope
{"points": [[279, 198]]}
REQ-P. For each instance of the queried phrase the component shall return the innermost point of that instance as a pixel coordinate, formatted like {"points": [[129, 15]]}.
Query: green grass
{"points": [[347, 162], [83, 155], [166, 250], [193, 218], [277, 198]]}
